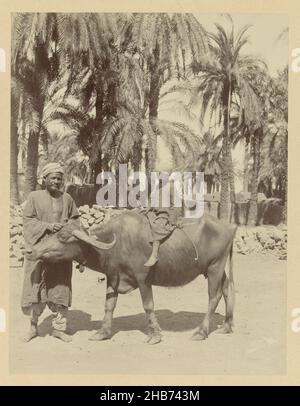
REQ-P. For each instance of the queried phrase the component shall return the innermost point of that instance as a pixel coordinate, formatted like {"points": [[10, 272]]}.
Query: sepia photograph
{"points": [[148, 193]]}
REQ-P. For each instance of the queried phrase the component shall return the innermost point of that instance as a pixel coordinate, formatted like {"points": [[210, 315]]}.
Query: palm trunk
{"points": [[32, 162], [14, 189], [147, 164], [285, 195], [252, 217], [209, 183], [270, 188], [90, 177], [231, 183], [284, 213], [137, 156], [246, 163], [151, 152], [97, 167], [231, 176], [224, 197], [153, 108]]}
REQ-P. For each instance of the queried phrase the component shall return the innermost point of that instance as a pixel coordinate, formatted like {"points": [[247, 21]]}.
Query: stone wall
{"points": [[261, 239]]}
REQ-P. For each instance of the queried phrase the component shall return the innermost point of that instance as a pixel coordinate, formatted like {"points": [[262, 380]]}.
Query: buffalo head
{"points": [[68, 244]]}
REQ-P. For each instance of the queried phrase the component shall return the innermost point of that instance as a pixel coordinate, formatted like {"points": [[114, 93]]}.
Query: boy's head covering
{"points": [[52, 167]]}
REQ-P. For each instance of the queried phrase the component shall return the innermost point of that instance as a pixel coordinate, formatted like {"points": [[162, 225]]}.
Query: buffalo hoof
{"points": [[199, 336], [100, 336], [61, 336], [154, 339], [225, 329]]}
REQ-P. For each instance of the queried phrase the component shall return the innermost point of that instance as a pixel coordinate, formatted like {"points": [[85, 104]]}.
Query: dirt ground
{"points": [[257, 347]]}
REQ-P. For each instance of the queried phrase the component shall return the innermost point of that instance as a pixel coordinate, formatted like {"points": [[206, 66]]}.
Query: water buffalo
{"points": [[120, 248]]}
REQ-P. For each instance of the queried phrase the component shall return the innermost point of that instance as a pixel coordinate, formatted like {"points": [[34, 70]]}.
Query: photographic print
{"points": [[149, 217], [101, 276]]}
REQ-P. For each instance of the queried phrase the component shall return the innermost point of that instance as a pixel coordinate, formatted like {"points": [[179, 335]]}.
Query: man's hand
{"points": [[55, 227]]}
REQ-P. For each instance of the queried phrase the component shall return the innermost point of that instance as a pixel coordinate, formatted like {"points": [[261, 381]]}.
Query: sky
{"points": [[263, 34]]}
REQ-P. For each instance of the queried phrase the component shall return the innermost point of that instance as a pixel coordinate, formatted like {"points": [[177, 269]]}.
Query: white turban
{"points": [[52, 167]]}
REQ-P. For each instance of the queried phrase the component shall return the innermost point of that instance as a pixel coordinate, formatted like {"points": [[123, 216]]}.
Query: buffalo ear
{"points": [[80, 235]]}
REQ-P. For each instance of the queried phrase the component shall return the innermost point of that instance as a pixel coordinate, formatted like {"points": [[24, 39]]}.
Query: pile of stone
{"points": [[16, 248], [262, 239], [93, 217]]}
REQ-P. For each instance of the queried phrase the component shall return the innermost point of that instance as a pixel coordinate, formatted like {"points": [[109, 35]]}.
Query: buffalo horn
{"points": [[93, 241]]}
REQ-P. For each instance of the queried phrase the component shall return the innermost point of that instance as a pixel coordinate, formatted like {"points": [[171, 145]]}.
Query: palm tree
{"points": [[165, 44], [256, 137], [275, 145], [46, 45], [121, 137], [97, 55], [228, 74], [34, 64]]}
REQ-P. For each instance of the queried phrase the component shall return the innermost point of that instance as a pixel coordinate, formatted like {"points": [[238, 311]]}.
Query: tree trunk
{"points": [[90, 177], [285, 188], [151, 153], [284, 212], [153, 107], [252, 217], [209, 183], [231, 176], [32, 162], [137, 156], [225, 174], [97, 167], [147, 164], [270, 188], [246, 164], [14, 189], [224, 197], [231, 183]]}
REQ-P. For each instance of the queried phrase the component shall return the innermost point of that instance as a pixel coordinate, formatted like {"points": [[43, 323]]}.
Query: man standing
{"points": [[44, 213]]}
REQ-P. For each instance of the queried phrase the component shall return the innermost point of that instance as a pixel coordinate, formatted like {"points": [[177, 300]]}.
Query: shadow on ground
{"points": [[169, 321]]}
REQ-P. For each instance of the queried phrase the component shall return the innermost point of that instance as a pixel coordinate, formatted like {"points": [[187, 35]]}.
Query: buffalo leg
{"points": [[110, 303], [148, 304], [228, 294], [215, 274]]}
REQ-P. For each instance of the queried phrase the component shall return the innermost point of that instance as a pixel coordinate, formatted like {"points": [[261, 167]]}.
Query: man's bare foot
{"points": [[62, 336], [32, 333]]}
